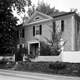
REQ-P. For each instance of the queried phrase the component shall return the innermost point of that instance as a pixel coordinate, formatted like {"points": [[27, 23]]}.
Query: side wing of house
{"points": [[77, 32], [67, 25]]}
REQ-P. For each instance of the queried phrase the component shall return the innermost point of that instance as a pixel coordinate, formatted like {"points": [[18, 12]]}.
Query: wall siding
{"points": [[67, 35], [46, 32]]}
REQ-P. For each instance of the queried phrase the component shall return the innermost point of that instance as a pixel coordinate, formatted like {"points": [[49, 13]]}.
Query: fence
{"points": [[68, 56], [71, 56]]}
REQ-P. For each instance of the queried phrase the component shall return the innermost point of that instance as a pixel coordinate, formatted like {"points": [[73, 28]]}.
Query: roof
{"points": [[37, 12], [62, 14], [45, 17]]}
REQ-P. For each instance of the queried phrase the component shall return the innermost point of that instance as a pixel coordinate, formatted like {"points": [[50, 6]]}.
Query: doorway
{"points": [[34, 48]]}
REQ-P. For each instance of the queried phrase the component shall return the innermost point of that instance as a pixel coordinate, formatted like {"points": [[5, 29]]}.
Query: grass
{"points": [[70, 69]]}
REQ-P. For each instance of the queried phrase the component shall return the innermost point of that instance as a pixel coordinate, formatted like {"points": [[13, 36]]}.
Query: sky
{"points": [[62, 5]]}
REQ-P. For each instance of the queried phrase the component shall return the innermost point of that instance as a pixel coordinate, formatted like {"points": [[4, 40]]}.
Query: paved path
{"points": [[17, 75]]}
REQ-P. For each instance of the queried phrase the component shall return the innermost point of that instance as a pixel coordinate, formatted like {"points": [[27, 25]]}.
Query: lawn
{"points": [[62, 68]]}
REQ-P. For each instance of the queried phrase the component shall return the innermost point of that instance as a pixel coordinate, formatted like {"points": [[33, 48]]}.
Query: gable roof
{"points": [[37, 13]]}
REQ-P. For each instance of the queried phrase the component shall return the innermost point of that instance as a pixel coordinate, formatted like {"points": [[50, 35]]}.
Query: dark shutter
{"points": [[40, 29], [62, 25], [22, 33], [17, 34], [33, 30], [54, 27]]}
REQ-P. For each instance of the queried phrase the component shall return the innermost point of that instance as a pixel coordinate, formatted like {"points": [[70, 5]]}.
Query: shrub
{"points": [[3, 60], [44, 49], [57, 66]]}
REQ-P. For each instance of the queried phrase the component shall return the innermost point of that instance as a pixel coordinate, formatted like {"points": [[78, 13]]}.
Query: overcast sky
{"points": [[62, 5]]}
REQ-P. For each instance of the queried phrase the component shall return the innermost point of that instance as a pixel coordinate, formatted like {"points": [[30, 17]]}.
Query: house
{"points": [[70, 26], [41, 26]]}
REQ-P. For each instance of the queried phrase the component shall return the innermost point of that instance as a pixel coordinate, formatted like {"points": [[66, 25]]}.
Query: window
{"points": [[62, 25], [37, 30], [21, 33], [77, 28], [54, 27]]}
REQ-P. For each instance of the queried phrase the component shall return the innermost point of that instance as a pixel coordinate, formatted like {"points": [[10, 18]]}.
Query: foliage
{"points": [[44, 49], [53, 44], [20, 4], [44, 8], [8, 27], [57, 66], [31, 10], [19, 10]]}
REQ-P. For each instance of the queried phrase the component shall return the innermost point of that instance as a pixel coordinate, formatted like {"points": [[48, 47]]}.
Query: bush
{"points": [[48, 50], [44, 49], [57, 66], [3, 60]]}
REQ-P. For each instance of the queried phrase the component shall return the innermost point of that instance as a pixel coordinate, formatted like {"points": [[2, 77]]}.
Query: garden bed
{"points": [[70, 69]]}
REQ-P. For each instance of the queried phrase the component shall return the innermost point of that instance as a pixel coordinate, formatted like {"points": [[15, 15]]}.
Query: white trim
{"points": [[37, 12], [32, 42], [37, 22], [73, 33]]}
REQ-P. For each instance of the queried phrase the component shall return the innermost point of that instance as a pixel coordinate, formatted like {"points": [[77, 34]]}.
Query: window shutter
{"points": [[62, 25], [17, 34], [33, 30], [40, 29], [54, 27], [22, 33]]}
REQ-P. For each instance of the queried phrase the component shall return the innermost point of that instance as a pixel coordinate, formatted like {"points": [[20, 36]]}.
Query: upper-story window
{"points": [[62, 25], [21, 33], [54, 27], [37, 30], [58, 26], [77, 27]]}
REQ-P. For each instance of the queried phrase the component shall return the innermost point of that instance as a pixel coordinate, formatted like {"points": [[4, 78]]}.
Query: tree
{"points": [[8, 27], [44, 8], [20, 9]]}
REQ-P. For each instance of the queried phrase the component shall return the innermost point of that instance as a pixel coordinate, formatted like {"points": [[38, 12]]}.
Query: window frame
{"points": [[35, 29]]}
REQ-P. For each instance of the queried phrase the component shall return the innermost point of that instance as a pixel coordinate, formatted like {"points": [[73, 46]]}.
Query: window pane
{"points": [[37, 29]]}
